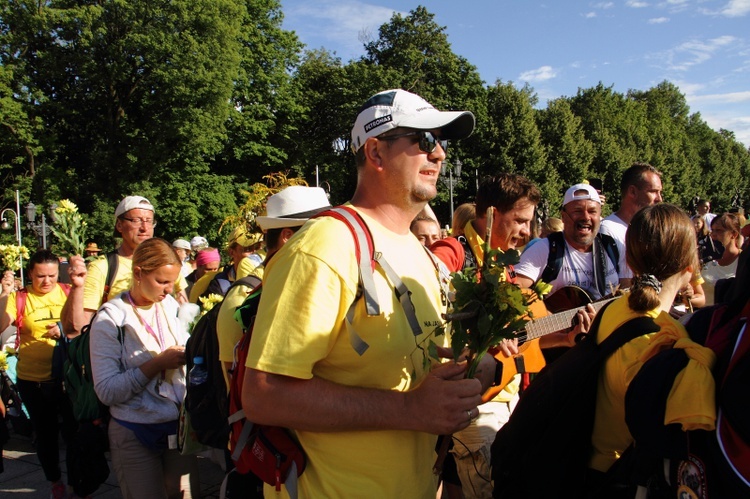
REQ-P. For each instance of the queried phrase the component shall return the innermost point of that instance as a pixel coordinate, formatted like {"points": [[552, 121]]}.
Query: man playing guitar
{"points": [[513, 199]]}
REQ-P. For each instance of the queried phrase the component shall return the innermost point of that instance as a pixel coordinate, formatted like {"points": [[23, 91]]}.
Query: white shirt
{"points": [[617, 228], [577, 268], [711, 273]]}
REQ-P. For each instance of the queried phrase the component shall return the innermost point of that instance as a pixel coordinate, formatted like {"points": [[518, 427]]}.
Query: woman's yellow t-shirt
{"points": [[35, 351]]}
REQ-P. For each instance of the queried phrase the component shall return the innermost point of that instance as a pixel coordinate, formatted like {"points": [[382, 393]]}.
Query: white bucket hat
{"points": [[293, 206], [398, 108]]}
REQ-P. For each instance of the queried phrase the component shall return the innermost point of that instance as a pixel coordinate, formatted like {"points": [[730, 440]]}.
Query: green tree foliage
{"points": [[263, 124], [189, 101], [512, 141], [568, 151], [332, 97]]}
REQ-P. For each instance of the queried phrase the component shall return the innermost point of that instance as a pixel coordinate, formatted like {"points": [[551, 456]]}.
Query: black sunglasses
{"points": [[427, 140]]}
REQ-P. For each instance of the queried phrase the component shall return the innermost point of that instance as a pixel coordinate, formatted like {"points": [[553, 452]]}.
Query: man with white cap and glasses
{"points": [[304, 372], [134, 223]]}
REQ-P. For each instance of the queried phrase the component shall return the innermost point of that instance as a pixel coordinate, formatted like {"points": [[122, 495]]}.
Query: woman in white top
{"points": [[138, 364], [725, 229]]}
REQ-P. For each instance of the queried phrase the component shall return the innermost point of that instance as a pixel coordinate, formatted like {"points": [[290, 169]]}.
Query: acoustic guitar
{"points": [[553, 315]]}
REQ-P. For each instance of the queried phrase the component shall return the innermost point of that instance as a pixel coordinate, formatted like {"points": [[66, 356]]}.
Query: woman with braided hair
{"points": [[661, 251]]}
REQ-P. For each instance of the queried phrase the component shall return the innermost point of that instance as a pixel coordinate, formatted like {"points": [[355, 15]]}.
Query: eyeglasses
{"points": [[148, 222], [427, 140]]}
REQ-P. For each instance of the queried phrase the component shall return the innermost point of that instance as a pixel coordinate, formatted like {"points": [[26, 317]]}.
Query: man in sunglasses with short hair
{"points": [[134, 223], [367, 419]]}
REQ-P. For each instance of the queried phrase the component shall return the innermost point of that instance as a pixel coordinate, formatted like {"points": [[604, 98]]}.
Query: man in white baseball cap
{"points": [[580, 255], [134, 223], [399, 109], [183, 250], [334, 399], [198, 243]]}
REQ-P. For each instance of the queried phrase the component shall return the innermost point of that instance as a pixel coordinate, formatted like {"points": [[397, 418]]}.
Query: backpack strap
{"points": [[554, 257], [630, 330], [604, 247], [250, 281], [469, 259], [367, 257], [365, 251], [112, 264], [21, 297]]}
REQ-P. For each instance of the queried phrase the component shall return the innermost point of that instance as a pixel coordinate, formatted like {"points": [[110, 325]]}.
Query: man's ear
{"points": [[373, 151], [286, 234]]}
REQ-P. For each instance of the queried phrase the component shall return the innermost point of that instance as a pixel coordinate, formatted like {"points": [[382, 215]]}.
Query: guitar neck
{"points": [[556, 322]]}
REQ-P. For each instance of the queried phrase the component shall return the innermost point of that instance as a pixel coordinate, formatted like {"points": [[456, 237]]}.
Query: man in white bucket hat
{"points": [[286, 212], [303, 370]]}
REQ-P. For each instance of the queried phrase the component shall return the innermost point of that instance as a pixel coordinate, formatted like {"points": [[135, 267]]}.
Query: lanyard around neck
{"points": [[158, 337]]}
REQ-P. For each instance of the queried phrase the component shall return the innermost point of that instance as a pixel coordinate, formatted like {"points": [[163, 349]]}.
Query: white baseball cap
{"points": [[293, 206], [132, 203], [398, 108], [198, 243], [181, 244], [581, 192]]}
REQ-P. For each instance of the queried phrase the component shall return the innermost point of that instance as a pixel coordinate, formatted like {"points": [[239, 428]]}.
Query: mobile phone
{"points": [[597, 184]]}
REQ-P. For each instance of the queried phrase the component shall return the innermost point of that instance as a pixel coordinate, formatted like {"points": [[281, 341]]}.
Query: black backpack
{"points": [[701, 463], [208, 404], [549, 432]]}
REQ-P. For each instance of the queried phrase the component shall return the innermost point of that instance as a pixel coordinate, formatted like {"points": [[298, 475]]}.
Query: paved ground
{"points": [[23, 477]]}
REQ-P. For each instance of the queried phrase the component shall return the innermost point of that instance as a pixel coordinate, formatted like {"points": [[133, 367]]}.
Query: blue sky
{"points": [[558, 46]]}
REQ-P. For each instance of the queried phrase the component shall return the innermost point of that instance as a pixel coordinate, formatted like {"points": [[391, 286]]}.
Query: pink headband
{"points": [[207, 256]]}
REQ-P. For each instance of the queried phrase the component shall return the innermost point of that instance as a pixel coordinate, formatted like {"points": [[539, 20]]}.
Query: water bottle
{"points": [[198, 374]]}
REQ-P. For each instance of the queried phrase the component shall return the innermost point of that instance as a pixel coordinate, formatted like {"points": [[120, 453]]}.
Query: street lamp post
{"points": [[41, 230], [17, 226], [450, 181]]}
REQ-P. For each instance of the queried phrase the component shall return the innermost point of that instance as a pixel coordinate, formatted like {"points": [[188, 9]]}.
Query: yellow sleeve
{"points": [[93, 288], [200, 286]]}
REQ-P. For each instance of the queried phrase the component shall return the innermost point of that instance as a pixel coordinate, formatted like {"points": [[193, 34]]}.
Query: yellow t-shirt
{"points": [[611, 436], [300, 331], [35, 352], [229, 330], [201, 285], [250, 267], [96, 278]]}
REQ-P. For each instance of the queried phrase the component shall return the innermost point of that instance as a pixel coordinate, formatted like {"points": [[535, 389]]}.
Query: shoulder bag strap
{"points": [[112, 264]]}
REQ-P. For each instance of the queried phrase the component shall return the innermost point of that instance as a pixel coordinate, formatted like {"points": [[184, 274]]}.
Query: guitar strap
{"points": [[600, 266]]}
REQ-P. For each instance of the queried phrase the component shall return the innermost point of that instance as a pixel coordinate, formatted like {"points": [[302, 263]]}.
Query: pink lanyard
{"points": [[160, 337]]}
